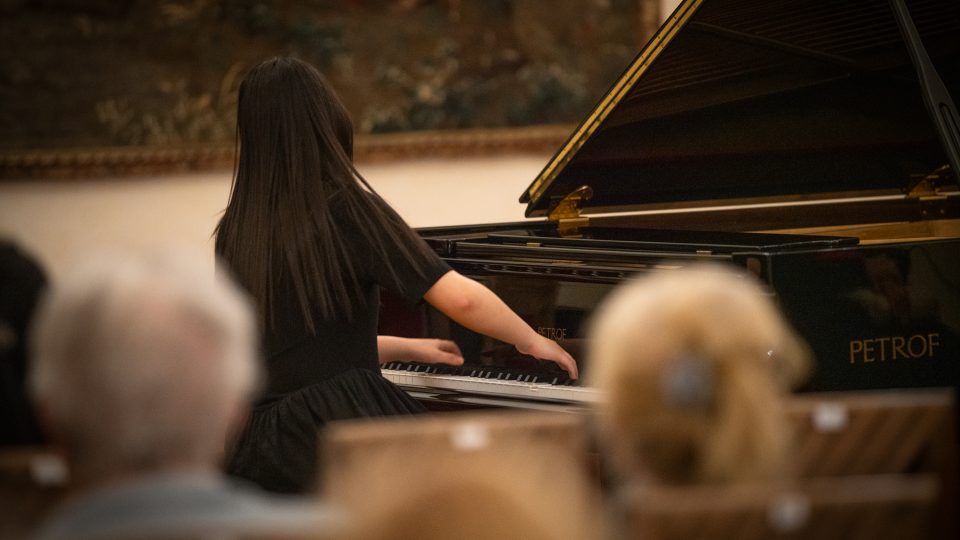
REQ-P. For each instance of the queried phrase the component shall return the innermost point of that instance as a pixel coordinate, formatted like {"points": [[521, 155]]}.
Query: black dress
{"points": [[332, 375]]}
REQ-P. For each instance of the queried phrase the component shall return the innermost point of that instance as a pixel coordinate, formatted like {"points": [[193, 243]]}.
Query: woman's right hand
{"points": [[543, 348]]}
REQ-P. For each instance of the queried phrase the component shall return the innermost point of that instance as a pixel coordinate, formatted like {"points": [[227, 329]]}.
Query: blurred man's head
{"points": [[141, 365]]}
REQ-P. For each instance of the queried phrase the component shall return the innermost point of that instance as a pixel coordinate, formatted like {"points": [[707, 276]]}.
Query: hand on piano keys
{"points": [[421, 350], [543, 348]]}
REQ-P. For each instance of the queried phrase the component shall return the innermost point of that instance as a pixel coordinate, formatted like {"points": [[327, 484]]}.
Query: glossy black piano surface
{"points": [[876, 316], [785, 139]]}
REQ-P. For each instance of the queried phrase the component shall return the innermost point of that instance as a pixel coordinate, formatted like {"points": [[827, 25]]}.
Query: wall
{"points": [[62, 222]]}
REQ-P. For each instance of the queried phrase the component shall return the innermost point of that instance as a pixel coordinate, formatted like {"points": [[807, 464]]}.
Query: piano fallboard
{"points": [[876, 316]]}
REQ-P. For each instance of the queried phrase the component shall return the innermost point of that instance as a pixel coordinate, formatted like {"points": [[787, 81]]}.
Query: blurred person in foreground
{"points": [[141, 367], [533, 492], [22, 280], [694, 364]]}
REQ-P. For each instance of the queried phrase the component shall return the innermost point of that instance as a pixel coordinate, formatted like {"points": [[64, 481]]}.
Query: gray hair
{"points": [[139, 363]]}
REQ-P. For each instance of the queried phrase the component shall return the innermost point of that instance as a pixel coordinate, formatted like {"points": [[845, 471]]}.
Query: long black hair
{"points": [[294, 163]]}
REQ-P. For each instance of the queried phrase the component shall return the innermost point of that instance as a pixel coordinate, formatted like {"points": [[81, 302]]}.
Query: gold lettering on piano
{"points": [[882, 349], [556, 334]]}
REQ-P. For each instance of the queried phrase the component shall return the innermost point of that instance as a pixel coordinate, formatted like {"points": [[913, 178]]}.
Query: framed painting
{"points": [[94, 87]]}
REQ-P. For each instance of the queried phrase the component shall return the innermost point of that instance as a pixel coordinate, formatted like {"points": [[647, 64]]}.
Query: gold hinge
{"points": [[566, 213], [927, 186]]}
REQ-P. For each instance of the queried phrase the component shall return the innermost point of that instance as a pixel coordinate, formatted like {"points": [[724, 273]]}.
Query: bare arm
{"points": [[427, 351], [479, 309]]}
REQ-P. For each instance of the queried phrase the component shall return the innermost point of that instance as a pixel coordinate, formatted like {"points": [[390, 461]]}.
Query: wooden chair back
{"points": [[490, 474], [842, 508], [32, 482], [347, 448], [881, 432], [884, 432]]}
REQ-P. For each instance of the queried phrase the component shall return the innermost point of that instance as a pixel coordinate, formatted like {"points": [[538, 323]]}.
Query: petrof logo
{"points": [[883, 349], [556, 334]]}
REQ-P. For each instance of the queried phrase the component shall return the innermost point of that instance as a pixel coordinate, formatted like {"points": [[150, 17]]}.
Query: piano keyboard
{"points": [[488, 382]]}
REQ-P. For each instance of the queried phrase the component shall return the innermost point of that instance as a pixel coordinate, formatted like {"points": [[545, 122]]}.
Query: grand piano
{"points": [[812, 144]]}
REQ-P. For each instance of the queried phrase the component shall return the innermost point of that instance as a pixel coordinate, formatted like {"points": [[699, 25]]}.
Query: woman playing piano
{"points": [[313, 243]]}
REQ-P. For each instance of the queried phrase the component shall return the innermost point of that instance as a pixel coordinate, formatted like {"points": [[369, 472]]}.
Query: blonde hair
{"points": [[483, 496], [466, 475], [694, 363]]}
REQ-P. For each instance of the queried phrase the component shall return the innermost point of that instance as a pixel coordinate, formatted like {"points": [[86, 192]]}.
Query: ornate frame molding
{"points": [[79, 163]]}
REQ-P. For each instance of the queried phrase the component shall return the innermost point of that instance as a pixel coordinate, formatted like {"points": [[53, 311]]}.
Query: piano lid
{"points": [[761, 100]]}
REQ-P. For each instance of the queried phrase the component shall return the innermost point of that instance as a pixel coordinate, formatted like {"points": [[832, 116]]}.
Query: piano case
{"points": [[794, 141]]}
